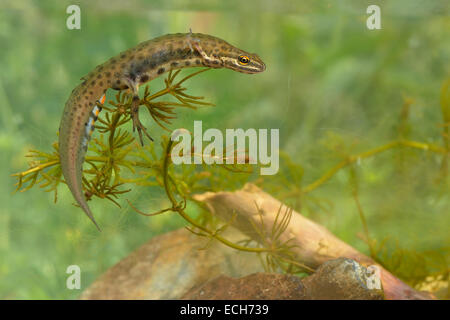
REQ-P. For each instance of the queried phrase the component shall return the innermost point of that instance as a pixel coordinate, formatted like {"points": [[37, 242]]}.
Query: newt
{"points": [[129, 70]]}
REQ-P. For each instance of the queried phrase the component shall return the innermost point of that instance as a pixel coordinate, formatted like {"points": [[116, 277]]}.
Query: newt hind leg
{"points": [[137, 124], [135, 104]]}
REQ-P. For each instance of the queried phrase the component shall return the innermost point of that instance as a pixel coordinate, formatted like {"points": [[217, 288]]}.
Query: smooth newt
{"points": [[129, 69]]}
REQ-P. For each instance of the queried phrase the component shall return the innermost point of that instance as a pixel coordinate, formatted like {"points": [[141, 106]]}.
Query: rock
{"points": [[339, 279], [342, 279], [170, 264], [179, 264], [311, 243], [258, 286]]}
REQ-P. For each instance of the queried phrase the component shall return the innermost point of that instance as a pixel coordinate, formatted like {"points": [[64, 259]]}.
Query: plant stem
{"points": [[177, 208]]}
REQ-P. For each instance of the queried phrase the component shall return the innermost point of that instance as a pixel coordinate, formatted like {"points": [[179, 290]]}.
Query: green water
{"points": [[332, 87]]}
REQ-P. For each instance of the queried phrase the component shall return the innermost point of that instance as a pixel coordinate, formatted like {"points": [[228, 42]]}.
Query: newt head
{"points": [[221, 54], [244, 62], [241, 61]]}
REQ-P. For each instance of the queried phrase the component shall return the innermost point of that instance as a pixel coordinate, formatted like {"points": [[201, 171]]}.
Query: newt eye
{"points": [[243, 60]]}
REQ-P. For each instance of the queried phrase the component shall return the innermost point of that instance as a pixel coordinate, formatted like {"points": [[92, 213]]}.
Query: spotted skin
{"points": [[130, 69]]}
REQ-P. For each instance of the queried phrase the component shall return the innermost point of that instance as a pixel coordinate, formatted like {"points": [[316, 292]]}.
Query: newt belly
{"points": [[130, 69]]}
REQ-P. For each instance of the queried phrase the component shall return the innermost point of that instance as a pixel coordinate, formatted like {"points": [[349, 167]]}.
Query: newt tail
{"points": [[130, 69]]}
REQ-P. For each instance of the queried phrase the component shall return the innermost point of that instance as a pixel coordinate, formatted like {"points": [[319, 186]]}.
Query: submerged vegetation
{"points": [[116, 164]]}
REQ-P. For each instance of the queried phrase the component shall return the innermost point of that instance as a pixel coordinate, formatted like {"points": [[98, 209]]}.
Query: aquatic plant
{"points": [[116, 164]]}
